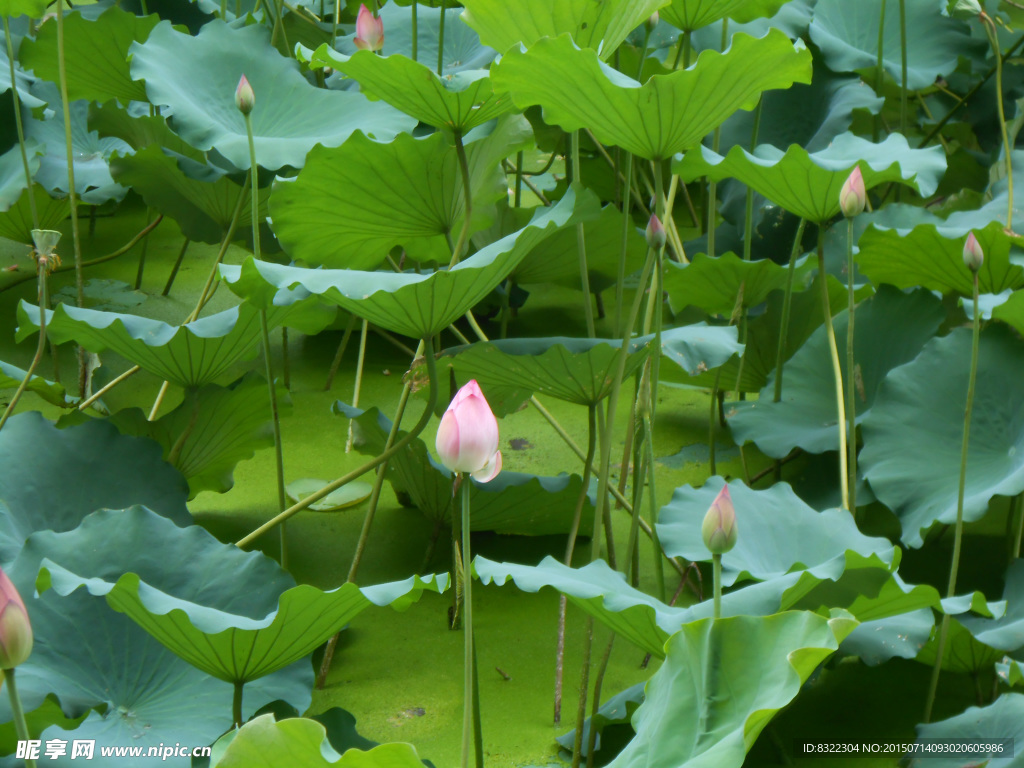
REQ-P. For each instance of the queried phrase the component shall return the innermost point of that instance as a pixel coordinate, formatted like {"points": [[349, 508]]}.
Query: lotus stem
{"points": [[851, 374], [518, 195], [41, 264], [961, 490], [467, 194], [17, 712], [716, 561], [18, 124], [415, 31], [107, 387], [142, 252], [236, 703], [581, 247], [903, 72], [212, 277], [158, 401], [440, 42], [659, 575], [360, 360], [716, 139], [470, 723], [993, 37], [602, 667], [581, 708], [176, 267], [336, 363], [286, 373], [748, 245], [787, 303], [830, 332], [879, 71], [627, 225]]}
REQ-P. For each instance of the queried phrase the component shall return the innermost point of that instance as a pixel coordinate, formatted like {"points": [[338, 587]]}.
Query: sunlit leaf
{"points": [[694, 14]]}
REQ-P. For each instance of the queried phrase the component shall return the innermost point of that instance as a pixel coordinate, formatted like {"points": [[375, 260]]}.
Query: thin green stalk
{"points": [[581, 247], [42, 260], [748, 244], [844, 473], [659, 575], [18, 123], [17, 712], [72, 195], [176, 267], [467, 196], [415, 31], [336, 363], [787, 303], [879, 71], [851, 388], [470, 703], [357, 387], [236, 703], [684, 50], [993, 38], [440, 42], [518, 197], [581, 708], [627, 226], [334, 26], [1020, 527], [903, 69], [717, 574], [142, 253], [961, 489], [716, 139]]}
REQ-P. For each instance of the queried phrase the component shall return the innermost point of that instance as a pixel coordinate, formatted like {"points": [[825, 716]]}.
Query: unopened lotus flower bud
{"points": [[652, 21], [15, 629], [369, 30], [719, 528], [974, 257], [853, 197], [245, 99], [655, 233], [467, 440]]}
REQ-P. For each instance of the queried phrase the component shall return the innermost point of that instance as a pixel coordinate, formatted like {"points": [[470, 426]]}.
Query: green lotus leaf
{"points": [[911, 454], [963, 653], [196, 77], [140, 131], [1004, 717], [1010, 671], [556, 260], [932, 258], [11, 377], [190, 355], [414, 305], [97, 466], [696, 712], [233, 635], [459, 101], [667, 114], [352, 204], [96, 659], [91, 153], [203, 203], [700, 347], [713, 283], [23, 80], [514, 503], [895, 637], [765, 520], [1007, 307], [96, 54], [1005, 633], [347, 496], [618, 710], [689, 15], [808, 184], [302, 743], [16, 222], [847, 34], [891, 328], [31, 8], [599, 26], [12, 174], [212, 430]]}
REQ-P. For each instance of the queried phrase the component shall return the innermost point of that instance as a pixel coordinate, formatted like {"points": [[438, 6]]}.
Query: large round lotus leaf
{"points": [[505, 24], [12, 173], [912, 437], [933, 258], [190, 355], [185, 595], [721, 683], [51, 478], [352, 204], [302, 743], [1003, 718], [767, 547], [196, 77], [847, 34], [513, 503], [808, 184], [667, 114], [96, 54], [890, 330], [91, 657], [713, 283], [694, 14], [458, 101], [412, 304], [700, 347]]}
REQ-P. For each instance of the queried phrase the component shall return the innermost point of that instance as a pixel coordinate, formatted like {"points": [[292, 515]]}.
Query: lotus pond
{"points": [[512, 383]]}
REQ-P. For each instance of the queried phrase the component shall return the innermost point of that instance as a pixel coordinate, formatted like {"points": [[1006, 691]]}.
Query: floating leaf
{"points": [[1003, 719], [346, 496], [352, 204], [892, 327], [912, 437], [412, 304], [196, 77], [808, 184], [698, 712], [689, 15], [667, 114], [601, 26]]}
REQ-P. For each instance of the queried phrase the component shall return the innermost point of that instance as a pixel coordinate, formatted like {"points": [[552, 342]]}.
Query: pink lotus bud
{"points": [[974, 257], [719, 528], [655, 233], [15, 629], [467, 440], [369, 30], [853, 197], [245, 99]]}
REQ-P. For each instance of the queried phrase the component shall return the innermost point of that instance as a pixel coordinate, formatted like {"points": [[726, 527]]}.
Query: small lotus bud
{"points": [[853, 197], [974, 257], [369, 30], [655, 233], [245, 99], [964, 9], [652, 21], [719, 528], [15, 629]]}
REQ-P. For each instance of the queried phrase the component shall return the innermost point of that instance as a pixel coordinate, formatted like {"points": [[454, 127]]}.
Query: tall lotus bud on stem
{"points": [[974, 256], [15, 629], [467, 440], [652, 22], [719, 529], [853, 197], [655, 233], [245, 99], [369, 30]]}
